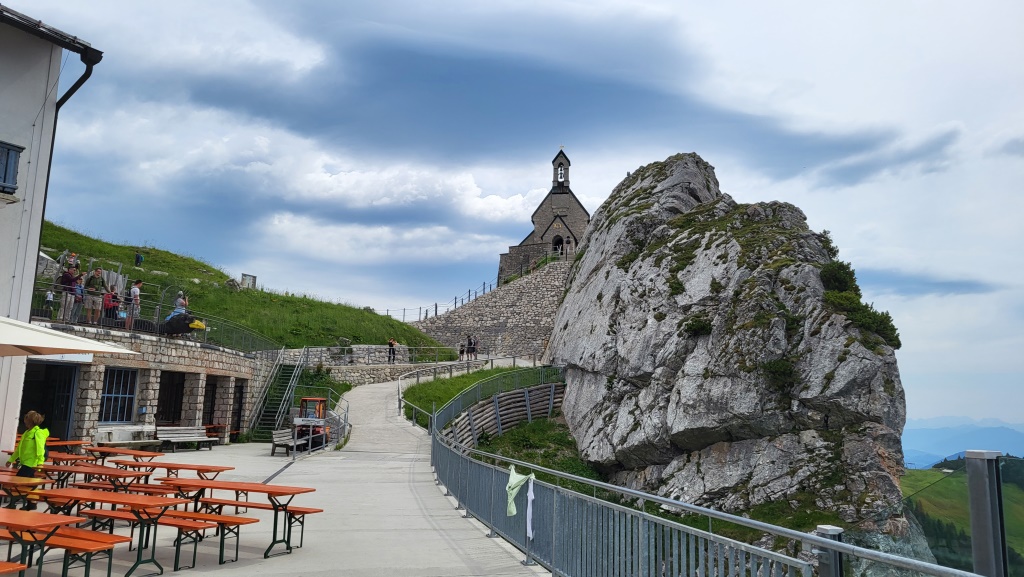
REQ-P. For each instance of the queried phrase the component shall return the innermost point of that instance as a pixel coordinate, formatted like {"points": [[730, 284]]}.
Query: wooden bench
{"points": [[8, 567], [283, 439], [296, 515], [189, 532], [227, 525], [175, 436], [76, 549]]}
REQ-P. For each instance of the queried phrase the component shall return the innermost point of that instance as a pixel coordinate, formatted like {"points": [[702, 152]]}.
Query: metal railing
{"points": [[576, 534], [219, 331], [410, 314], [462, 367], [262, 393], [289, 392]]}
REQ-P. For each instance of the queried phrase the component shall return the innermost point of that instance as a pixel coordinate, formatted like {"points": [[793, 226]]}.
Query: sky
{"points": [[384, 153]]}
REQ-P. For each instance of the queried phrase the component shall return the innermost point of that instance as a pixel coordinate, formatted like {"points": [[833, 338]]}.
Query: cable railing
{"points": [[411, 314], [380, 355], [619, 531]]}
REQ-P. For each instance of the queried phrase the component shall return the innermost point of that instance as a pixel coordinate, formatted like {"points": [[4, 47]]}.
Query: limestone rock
{"points": [[704, 363]]}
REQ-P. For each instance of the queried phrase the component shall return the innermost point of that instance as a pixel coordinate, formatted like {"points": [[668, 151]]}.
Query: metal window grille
{"points": [[9, 154], [117, 405], [209, 401]]}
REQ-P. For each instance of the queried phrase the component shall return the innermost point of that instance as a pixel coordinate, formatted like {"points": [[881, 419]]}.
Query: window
{"points": [[9, 154], [561, 173], [117, 405]]}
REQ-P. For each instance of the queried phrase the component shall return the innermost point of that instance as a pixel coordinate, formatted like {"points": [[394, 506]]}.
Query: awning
{"points": [[18, 339]]}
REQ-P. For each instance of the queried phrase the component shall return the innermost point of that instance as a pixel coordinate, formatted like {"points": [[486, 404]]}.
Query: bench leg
{"points": [[186, 537], [225, 531]]}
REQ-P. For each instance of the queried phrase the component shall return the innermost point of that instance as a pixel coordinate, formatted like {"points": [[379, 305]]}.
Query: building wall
{"points": [[29, 68], [201, 363]]}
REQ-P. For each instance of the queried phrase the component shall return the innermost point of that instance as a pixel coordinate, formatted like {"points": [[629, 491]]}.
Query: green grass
{"points": [[288, 320], [426, 395], [546, 443], [944, 497]]}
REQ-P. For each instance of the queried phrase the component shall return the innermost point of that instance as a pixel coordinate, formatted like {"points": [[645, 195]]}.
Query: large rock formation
{"points": [[706, 363]]}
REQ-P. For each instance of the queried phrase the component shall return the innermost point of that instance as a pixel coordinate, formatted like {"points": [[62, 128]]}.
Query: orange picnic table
{"points": [[32, 530], [173, 469], [102, 453], [280, 497], [16, 487], [119, 479], [58, 458], [147, 510]]}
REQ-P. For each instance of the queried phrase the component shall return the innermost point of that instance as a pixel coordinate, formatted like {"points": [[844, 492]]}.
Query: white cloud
{"points": [[287, 234], [227, 37]]}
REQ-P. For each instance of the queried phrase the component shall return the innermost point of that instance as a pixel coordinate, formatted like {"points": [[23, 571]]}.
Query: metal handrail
{"points": [[289, 393], [439, 422], [419, 373], [261, 403]]}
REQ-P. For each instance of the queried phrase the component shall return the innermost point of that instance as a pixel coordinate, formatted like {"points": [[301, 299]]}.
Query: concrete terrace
{"points": [[383, 513]]}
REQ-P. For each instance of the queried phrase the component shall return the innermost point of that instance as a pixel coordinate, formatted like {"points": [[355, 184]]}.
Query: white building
{"points": [[30, 66]]}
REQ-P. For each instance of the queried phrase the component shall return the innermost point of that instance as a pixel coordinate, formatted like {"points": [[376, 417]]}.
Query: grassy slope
{"points": [[292, 321], [945, 497]]}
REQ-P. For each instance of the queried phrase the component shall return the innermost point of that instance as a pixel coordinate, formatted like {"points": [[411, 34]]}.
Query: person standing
{"points": [[181, 302], [68, 280], [110, 305], [391, 350], [138, 259], [31, 450], [134, 303], [95, 288], [76, 308], [470, 349], [49, 304]]}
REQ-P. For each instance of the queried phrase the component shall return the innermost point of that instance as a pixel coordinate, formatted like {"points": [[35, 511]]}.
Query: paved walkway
{"points": [[384, 516]]}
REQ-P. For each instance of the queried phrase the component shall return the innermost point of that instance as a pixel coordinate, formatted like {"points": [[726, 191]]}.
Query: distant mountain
{"points": [[954, 421], [919, 459], [919, 445]]}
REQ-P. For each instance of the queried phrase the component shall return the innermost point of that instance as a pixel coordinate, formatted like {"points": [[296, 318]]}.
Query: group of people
{"points": [[468, 351], [91, 292]]}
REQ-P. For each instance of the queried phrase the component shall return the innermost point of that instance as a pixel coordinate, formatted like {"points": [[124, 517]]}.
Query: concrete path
{"points": [[384, 516]]}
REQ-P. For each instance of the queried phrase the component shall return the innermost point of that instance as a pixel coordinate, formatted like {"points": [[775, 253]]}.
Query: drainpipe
{"points": [[90, 57]]}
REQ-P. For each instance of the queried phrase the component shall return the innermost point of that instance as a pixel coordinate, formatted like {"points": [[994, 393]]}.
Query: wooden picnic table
{"points": [[280, 497], [16, 488], [214, 430], [119, 479], [173, 469], [32, 530], [147, 510], [58, 458], [102, 453]]}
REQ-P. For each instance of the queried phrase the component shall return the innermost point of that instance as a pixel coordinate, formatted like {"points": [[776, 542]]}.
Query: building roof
{"points": [[49, 33], [563, 155]]}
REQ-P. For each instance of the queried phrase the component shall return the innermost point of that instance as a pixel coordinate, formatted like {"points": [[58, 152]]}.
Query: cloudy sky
{"points": [[384, 153]]}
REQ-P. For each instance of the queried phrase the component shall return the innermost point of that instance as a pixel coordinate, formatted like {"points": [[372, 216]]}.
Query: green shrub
{"points": [[697, 326], [781, 374], [839, 276], [864, 316]]}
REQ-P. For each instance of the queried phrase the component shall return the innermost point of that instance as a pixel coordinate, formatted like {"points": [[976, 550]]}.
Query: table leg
{"points": [[281, 512], [28, 545], [147, 529]]}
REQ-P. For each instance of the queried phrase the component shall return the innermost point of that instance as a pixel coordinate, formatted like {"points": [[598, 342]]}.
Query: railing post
{"points": [[830, 561], [985, 496]]}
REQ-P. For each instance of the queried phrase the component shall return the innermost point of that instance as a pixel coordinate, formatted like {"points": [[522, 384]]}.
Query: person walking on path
{"points": [[31, 450], [391, 350], [95, 288], [134, 304]]}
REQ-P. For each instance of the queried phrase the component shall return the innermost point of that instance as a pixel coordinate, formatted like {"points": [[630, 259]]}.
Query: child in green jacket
{"points": [[31, 449]]}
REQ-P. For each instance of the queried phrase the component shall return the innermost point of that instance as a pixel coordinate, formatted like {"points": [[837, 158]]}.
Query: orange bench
{"points": [[296, 515], [189, 532], [8, 567], [227, 525], [76, 550]]}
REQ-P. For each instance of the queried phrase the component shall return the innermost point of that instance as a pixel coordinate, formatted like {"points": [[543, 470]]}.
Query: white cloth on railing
{"points": [[529, 509]]}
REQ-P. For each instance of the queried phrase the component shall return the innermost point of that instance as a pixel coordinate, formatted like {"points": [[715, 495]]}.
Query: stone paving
{"points": [[384, 515]]}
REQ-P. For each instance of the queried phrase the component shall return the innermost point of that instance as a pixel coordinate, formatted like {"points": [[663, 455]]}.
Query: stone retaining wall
{"points": [[514, 319], [207, 368]]}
